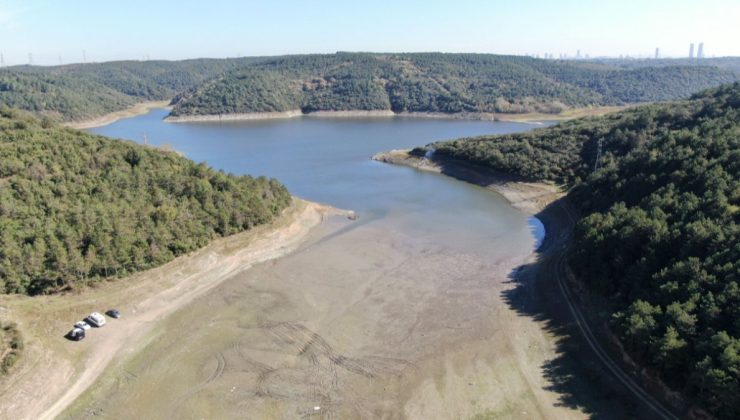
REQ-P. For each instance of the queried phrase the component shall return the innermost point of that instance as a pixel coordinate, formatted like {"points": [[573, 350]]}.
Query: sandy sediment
{"points": [[374, 322], [377, 113], [474, 116], [387, 113], [352, 113], [138, 109], [251, 116], [529, 197], [55, 372]]}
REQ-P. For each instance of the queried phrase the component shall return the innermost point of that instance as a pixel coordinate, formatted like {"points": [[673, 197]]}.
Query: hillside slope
{"points": [[660, 232], [433, 82], [83, 91], [76, 208]]}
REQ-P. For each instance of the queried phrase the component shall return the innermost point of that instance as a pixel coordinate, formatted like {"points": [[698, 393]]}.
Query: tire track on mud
{"points": [[324, 371], [217, 373]]}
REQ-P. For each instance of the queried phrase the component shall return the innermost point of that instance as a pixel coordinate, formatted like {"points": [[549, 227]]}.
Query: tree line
{"points": [[77, 208]]}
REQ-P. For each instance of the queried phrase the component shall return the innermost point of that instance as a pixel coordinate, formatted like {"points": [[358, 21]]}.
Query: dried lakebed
{"points": [[400, 314]]}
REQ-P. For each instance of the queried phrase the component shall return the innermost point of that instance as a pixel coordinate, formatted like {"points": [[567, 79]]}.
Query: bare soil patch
{"points": [[138, 109]]}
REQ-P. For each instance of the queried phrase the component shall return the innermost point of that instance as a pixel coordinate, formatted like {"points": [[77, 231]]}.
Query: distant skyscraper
{"points": [[691, 50], [700, 52], [657, 53], [578, 54]]}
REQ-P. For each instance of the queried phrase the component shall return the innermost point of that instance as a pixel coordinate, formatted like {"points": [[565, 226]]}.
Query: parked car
{"points": [[76, 334], [82, 325], [113, 313], [95, 319]]}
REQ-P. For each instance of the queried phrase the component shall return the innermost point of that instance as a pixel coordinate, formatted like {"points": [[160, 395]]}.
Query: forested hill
{"points": [[660, 233], [82, 91], [425, 82], [434, 82], [730, 63], [76, 208]]}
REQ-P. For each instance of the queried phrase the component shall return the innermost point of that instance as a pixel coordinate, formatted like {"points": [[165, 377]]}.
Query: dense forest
{"points": [[425, 82], [659, 234], [730, 63], [434, 82], [76, 208], [81, 91]]}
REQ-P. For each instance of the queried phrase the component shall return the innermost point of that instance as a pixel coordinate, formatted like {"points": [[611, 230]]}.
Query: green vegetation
{"points": [[76, 208], [433, 82], [11, 345], [730, 63], [426, 82], [82, 91], [659, 236]]}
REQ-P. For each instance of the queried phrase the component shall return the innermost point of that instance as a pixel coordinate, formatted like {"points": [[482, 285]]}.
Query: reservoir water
{"points": [[328, 161], [401, 314]]}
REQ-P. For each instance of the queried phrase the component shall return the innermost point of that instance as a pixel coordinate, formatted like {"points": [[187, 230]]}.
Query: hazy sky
{"points": [[134, 29]]}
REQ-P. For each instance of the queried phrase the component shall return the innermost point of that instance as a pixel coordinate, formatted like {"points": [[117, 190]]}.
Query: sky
{"points": [[70, 30]]}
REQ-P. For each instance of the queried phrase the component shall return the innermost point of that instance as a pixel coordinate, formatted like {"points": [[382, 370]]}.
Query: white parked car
{"points": [[82, 325], [95, 319]]}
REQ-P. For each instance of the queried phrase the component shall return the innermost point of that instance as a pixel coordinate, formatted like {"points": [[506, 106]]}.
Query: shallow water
{"points": [[399, 314], [328, 160]]}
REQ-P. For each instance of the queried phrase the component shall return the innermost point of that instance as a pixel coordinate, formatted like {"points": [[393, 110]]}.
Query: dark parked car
{"points": [[76, 334], [113, 313]]}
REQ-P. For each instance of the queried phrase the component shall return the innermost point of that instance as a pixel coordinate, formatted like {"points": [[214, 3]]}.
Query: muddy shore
{"points": [[365, 321], [138, 109], [542, 280], [476, 116], [529, 197]]}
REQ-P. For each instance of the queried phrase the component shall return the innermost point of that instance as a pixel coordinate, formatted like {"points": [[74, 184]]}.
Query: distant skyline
{"points": [[51, 32]]}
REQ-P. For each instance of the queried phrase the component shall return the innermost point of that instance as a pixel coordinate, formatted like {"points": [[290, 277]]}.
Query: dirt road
{"points": [[559, 268], [55, 372]]}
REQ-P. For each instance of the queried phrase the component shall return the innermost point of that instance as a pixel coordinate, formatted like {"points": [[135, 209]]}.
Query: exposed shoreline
{"points": [[529, 197], [474, 116], [144, 298], [138, 109], [551, 206]]}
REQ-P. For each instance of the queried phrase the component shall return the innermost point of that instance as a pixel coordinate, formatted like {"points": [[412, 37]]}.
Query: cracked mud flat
{"points": [[365, 321]]}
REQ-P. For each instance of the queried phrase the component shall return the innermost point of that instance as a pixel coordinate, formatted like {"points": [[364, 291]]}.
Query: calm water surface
{"points": [[328, 160]]}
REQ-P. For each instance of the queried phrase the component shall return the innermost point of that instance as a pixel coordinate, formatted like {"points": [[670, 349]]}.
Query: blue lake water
{"points": [[328, 160]]}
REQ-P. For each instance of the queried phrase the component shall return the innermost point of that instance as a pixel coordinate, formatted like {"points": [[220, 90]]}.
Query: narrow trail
{"points": [[557, 260]]}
